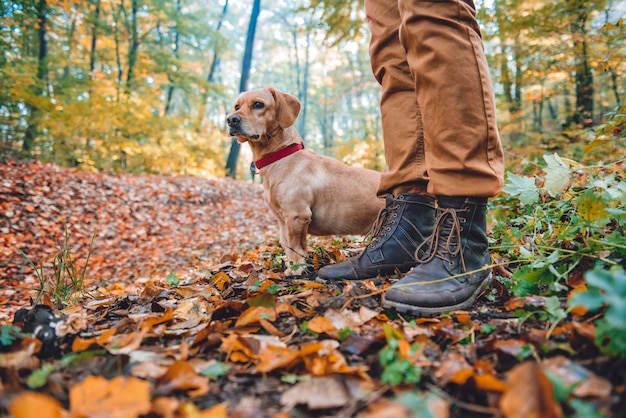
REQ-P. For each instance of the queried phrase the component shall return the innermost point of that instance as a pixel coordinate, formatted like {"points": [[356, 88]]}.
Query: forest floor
{"points": [[183, 310]]}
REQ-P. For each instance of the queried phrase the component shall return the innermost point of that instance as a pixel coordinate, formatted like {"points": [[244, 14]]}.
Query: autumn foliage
{"points": [[185, 312]]}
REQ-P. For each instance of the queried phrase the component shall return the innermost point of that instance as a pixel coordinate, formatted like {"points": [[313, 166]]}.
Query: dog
{"points": [[308, 193]]}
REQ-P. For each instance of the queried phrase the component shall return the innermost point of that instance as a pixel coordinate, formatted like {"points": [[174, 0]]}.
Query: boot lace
{"points": [[382, 225], [445, 241]]}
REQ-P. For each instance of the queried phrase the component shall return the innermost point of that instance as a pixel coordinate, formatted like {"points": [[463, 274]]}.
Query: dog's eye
{"points": [[237, 107], [258, 105]]}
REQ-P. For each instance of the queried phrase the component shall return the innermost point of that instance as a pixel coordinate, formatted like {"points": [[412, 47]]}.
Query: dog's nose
{"points": [[233, 120]]}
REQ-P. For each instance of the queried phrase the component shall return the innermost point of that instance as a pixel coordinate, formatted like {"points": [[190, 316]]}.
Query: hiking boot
{"points": [[402, 225], [453, 264]]}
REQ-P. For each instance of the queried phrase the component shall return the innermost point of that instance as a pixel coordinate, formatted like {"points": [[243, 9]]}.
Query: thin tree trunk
{"points": [[94, 38], [233, 156], [211, 75], [70, 46], [171, 87], [42, 76], [305, 87], [618, 99], [584, 75], [118, 55], [133, 47]]}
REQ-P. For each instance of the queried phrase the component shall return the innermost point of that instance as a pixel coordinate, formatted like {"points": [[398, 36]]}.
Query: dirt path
{"points": [[144, 225]]}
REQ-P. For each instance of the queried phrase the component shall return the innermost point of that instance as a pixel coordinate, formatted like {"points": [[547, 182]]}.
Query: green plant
{"points": [[39, 377], [606, 289], [172, 280], [65, 283], [549, 226], [8, 334], [398, 369], [215, 370], [344, 333]]}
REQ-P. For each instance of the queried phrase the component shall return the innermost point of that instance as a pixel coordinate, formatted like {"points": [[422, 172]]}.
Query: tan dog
{"points": [[308, 193]]}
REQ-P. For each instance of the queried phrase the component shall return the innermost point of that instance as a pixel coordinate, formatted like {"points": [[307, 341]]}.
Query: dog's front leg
{"points": [[293, 240]]}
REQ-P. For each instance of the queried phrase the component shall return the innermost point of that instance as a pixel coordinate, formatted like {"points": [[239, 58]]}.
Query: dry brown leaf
{"points": [[321, 325], [272, 358], [586, 384], [254, 314], [529, 394], [317, 393], [181, 376], [121, 397], [32, 404], [489, 383], [453, 368]]}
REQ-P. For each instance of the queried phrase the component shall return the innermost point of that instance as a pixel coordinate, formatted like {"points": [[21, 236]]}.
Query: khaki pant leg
{"points": [[403, 134], [445, 55]]}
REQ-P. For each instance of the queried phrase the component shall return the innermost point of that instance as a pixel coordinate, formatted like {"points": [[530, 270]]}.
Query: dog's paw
{"points": [[299, 270]]}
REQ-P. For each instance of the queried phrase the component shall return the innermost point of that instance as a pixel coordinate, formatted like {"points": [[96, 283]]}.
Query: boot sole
{"points": [[429, 311]]}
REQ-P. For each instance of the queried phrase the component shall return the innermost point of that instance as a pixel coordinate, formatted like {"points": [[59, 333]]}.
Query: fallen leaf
{"points": [[529, 394], [181, 376], [317, 393], [33, 404], [121, 397], [321, 325]]}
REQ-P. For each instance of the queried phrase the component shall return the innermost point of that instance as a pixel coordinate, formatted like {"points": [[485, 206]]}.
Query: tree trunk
{"points": [[133, 47], [42, 76], [584, 77], [211, 75], [233, 156], [94, 38], [171, 87], [305, 87]]}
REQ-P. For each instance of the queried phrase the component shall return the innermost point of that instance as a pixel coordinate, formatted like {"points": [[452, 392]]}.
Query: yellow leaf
{"points": [[321, 324], [122, 397], [34, 405]]}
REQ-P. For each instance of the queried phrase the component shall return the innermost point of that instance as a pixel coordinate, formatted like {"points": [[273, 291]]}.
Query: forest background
{"points": [[144, 86]]}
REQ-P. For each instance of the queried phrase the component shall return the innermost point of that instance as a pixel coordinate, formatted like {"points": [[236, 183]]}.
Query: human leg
{"points": [[463, 154], [408, 216]]}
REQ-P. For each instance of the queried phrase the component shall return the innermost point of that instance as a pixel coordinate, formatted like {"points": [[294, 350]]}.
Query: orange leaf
{"points": [[272, 358], [463, 317], [489, 382], [220, 280], [321, 324], [529, 394], [122, 397], [254, 314], [33, 404], [181, 376]]}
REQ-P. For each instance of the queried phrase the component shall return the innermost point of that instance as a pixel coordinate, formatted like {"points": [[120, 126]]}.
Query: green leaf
{"points": [[215, 370], [557, 173], [416, 404], [592, 208], [584, 409], [590, 299], [561, 389], [172, 280], [39, 377], [487, 328], [8, 334], [524, 187]]}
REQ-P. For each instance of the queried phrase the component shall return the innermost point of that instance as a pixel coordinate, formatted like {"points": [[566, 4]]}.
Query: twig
{"points": [[463, 405]]}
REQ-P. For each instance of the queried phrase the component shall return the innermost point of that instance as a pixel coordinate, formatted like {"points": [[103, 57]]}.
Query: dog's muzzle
{"points": [[235, 128]]}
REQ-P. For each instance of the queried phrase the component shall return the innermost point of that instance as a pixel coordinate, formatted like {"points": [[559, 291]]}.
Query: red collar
{"points": [[275, 156]]}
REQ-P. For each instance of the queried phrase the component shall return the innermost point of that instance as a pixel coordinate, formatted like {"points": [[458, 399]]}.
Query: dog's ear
{"points": [[287, 108]]}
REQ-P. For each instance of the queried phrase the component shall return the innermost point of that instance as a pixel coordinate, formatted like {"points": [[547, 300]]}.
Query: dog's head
{"points": [[260, 114]]}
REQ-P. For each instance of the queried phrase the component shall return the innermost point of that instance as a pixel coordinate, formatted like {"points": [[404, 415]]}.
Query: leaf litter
{"points": [[187, 313]]}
